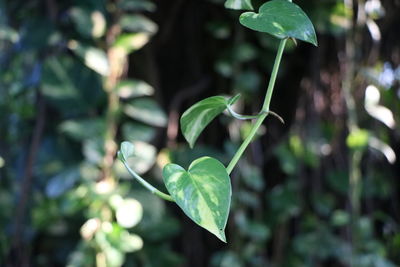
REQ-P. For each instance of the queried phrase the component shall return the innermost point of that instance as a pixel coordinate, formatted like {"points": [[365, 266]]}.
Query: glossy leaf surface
{"points": [[239, 4], [203, 192], [281, 19], [198, 116]]}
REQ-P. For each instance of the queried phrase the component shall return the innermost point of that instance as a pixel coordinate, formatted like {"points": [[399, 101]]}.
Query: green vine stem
{"points": [[252, 117], [264, 111], [148, 186]]}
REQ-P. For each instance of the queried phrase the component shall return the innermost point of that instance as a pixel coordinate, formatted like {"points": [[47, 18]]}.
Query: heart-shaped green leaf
{"points": [[198, 116], [282, 19], [239, 4], [203, 192]]}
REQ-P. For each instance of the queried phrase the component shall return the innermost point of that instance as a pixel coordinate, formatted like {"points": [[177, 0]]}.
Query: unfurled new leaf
{"points": [[127, 150]]}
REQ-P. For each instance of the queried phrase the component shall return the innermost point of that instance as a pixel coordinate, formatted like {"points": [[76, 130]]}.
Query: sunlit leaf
{"points": [[89, 23], [146, 110], [331, 18], [340, 218], [136, 131], [379, 112], [203, 192], [94, 58], [282, 19], [198, 116], [239, 4], [142, 158], [384, 148], [129, 213], [138, 23], [130, 42], [2, 162], [8, 34], [134, 88], [130, 242]]}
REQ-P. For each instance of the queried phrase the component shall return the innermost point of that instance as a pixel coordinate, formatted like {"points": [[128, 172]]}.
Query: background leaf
{"points": [[138, 23], [127, 150], [146, 110], [130, 42], [239, 4], [94, 58], [134, 88]]}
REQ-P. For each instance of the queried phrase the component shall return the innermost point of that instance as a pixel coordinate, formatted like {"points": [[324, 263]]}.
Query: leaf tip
{"points": [[221, 236], [190, 141], [314, 40]]}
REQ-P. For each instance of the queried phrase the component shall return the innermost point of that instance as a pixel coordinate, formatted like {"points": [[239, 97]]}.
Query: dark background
{"points": [[320, 190]]}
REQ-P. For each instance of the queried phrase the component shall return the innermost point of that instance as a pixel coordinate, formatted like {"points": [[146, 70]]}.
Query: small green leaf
{"points": [[82, 129], [137, 131], [94, 58], [127, 150], [198, 116], [146, 110], [282, 19], [239, 4], [133, 88], [131, 42], [88, 22], [203, 192], [138, 23]]}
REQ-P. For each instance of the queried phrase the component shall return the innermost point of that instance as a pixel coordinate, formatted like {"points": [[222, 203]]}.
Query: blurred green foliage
{"points": [[317, 191]]}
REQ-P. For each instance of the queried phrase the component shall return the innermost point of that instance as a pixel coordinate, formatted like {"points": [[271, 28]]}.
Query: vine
{"points": [[204, 191]]}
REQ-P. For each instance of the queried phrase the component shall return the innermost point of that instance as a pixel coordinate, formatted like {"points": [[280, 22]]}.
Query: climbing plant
{"points": [[203, 191]]}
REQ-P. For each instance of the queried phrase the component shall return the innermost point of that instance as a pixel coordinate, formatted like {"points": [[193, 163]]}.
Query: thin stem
{"points": [[148, 186], [240, 116], [246, 142], [265, 109], [272, 80]]}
